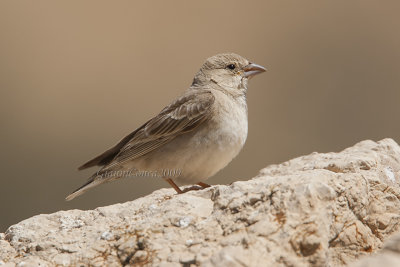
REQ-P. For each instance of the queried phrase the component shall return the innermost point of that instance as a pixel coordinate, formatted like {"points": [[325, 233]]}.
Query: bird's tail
{"points": [[92, 182]]}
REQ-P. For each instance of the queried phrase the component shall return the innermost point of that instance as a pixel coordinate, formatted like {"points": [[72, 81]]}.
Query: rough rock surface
{"points": [[316, 210], [387, 257]]}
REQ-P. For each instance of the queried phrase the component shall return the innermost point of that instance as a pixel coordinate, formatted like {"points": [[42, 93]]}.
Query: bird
{"points": [[193, 137]]}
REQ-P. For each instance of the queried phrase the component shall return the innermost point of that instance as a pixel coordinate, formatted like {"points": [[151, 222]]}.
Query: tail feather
{"points": [[89, 184]]}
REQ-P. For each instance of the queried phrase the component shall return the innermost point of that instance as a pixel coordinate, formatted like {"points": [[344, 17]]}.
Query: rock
{"points": [[316, 210], [388, 256]]}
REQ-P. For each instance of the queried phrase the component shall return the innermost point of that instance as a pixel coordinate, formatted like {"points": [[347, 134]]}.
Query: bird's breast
{"points": [[228, 127]]}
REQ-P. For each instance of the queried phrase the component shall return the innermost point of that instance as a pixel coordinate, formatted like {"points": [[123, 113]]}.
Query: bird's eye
{"points": [[231, 66]]}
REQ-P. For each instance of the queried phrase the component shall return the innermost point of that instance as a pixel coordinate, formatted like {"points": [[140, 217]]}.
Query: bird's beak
{"points": [[253, 69]]}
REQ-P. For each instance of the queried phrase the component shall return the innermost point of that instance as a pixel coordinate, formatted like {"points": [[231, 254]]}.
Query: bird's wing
{"points": [[108, 155], [182, 116]]}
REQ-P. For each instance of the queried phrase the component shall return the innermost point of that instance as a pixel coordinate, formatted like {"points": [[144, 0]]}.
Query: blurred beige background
{"points": [[76, 76]]}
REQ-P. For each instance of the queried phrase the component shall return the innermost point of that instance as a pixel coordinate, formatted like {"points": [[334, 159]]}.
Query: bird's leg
{"points": [[177, 189], [204, 185]]}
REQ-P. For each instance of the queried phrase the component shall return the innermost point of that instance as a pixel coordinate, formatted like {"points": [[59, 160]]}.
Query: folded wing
{"points": [[182, 116]]}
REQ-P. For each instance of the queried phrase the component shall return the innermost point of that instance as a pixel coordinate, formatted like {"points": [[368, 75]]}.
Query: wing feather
{"points": [[183, 115]]}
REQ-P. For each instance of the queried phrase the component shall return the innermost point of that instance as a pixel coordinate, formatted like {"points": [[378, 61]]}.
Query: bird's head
{"points": [[228, 71]]}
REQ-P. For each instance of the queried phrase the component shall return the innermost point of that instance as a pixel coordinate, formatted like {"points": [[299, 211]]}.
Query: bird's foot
{"points": [[196, 187], [204, 185], [192, 188], [177, 189]]}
